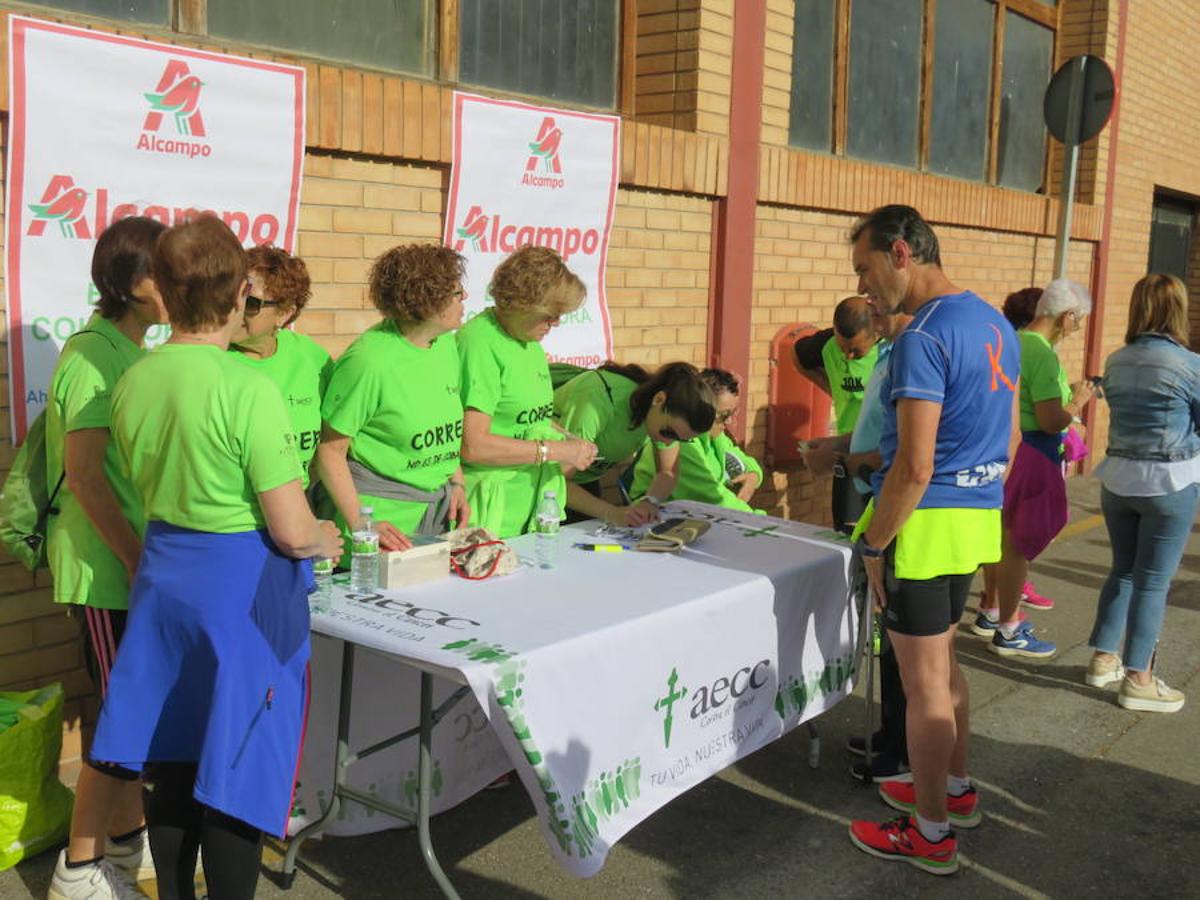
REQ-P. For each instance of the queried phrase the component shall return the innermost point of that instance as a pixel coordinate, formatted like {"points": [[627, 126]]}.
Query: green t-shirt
{"points": [[702, 471], [203, 436], [399, 405], [1042, 377], [594, 406], [508, 380], [300, 368], [847, 382], [85, 570]]}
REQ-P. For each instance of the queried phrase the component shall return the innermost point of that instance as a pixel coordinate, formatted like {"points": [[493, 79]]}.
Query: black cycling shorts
{"points": [[923, 608]]}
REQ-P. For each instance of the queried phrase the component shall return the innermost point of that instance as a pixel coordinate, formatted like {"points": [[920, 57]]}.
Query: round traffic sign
{"points": [[1098, 92]]}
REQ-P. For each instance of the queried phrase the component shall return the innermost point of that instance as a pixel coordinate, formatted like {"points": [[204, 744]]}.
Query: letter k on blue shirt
{"points": [[960, 352]]}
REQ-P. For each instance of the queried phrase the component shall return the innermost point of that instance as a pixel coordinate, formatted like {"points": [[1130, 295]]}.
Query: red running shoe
{"points": [[901, 839], [964, 809], [1034, 600]]}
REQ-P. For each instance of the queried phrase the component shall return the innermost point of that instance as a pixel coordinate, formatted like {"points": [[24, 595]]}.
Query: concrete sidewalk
{"points": [[1080, 797]]}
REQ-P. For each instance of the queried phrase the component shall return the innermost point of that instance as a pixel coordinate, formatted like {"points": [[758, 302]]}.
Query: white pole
{"points": [[1066, 196]]}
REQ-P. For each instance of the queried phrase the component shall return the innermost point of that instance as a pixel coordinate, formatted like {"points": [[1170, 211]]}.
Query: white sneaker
{"points": [[132, 857], [1153, 697], [98, 881], [1102, 672]]}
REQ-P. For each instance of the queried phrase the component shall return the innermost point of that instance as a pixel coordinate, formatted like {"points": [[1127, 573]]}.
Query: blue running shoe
{"points": [[985, 626], [1022, 643]]}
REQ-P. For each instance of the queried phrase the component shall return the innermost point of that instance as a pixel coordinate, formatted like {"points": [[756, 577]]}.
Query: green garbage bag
{"points": [[35, 807]]}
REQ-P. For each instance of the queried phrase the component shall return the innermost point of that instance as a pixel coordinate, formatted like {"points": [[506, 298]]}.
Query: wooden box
{"points": [[427, 560]]}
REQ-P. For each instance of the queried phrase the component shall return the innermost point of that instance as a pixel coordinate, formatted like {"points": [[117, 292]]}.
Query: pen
{"points": [[602, 548]]}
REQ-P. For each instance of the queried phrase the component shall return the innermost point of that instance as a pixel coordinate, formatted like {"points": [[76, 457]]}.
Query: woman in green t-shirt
{"points": [[208, 695], [1035, 499], [298, 365], [617, 408], [712, 468], [511, 451], [393, 418], [95, 537]]}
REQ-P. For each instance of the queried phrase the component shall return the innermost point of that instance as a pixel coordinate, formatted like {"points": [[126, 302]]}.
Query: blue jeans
{"points": [[1148, 536]]}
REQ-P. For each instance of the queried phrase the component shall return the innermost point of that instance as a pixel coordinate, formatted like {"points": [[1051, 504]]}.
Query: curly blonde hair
{"points": [[536, 279], [285, 277], [415, 282]]}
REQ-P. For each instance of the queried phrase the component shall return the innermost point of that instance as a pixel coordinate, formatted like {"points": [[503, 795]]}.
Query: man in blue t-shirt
{"points": [[949, 401]]}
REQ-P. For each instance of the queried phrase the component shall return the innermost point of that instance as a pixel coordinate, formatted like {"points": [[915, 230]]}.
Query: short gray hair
{"points": [[1063, 296]]}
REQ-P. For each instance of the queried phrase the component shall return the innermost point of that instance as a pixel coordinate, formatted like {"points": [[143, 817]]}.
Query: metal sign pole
{"points": [[1066, 197]]}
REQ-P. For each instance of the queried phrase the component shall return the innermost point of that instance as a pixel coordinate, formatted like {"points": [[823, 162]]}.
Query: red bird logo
{"points": [[545, 148], [63, 203], [178, 95], [474, 228]]}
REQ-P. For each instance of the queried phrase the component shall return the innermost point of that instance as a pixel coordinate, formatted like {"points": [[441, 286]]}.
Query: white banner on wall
{"points": [[105, 126], [527, 174]]}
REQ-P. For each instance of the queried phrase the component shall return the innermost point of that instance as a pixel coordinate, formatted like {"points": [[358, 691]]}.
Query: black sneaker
{"points": [[884, 767], [857, 744]]}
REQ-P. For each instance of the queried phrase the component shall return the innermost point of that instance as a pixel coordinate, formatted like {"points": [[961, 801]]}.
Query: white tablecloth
{"points": [[611, 683]]}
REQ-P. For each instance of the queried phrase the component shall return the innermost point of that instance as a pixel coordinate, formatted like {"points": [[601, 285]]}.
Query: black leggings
{"points": [[893, 706], [180, 826]]}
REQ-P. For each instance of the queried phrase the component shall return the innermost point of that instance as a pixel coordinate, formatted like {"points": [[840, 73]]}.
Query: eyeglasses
{"points": [[725, 415], [254, 305]]}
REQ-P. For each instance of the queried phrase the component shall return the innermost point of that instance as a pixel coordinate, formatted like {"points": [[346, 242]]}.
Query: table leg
{"points": [[425, 789], [339, 768]]}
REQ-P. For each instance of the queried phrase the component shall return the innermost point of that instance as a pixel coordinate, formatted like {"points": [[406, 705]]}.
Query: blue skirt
{"points": [[213, 670]]}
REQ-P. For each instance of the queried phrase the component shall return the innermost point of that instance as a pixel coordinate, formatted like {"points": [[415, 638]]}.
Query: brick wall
{"points": [[1159, 131], [683, 64], [667, 54], [777, 72]]}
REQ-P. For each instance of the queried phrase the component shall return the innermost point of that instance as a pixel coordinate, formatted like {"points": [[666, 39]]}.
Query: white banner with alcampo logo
{"points": [[525, 174], [103, 126], [615, 681]]}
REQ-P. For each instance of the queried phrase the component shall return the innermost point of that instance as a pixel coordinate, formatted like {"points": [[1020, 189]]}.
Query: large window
{"points": [[885, 80], [953, 87], [811, 118], [155, 12], [381, 34], [561, 49], [1022, 150], [962, 74], [1171, 237]]}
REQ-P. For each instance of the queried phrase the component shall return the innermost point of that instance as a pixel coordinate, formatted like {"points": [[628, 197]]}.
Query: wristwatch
{"points": [[866, 550], [839, 466]]}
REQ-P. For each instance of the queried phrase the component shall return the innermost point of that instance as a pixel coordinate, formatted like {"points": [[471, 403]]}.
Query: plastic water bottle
{"points": [[364, 555], [547, 522], [321, 599]]}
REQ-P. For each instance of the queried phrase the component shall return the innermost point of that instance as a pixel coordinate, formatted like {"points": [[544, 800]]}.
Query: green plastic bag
{"points": [[35, 807]]}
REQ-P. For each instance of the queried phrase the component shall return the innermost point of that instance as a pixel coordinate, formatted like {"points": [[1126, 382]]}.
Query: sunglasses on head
{"points": [[254, 304]]}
